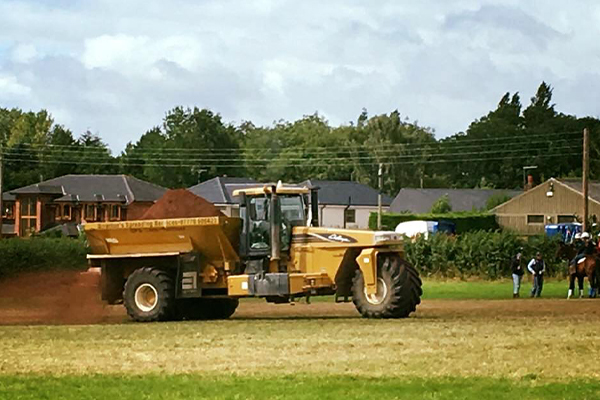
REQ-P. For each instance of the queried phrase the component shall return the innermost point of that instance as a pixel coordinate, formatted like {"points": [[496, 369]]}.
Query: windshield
{"points": [[292, 209]]}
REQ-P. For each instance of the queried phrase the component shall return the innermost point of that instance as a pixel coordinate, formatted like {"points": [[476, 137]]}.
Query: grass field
{"points": [[453, 347]]}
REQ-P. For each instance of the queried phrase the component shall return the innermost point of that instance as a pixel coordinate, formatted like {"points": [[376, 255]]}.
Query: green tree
{"points": [[403, 148], [441, 205], [191, 144], [496, 199]]}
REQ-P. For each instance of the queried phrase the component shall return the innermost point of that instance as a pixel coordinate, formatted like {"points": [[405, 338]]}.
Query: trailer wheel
{"points": [[202, 309], [398, 289], [149, 295]]}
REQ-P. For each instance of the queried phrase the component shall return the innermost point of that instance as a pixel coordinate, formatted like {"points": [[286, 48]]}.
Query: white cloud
{"points": [[10, 87], [24, 53], [137, 55], [116, 67]]}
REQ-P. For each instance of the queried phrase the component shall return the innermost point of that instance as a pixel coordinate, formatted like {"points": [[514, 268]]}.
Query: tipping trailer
{"points": [[199, 268]]}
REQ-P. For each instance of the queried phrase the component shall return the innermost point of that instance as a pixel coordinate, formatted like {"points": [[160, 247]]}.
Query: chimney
{"points": [[530, 183]]}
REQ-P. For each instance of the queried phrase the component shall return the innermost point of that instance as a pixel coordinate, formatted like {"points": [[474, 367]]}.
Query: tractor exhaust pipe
{"points": [[275, 226]]}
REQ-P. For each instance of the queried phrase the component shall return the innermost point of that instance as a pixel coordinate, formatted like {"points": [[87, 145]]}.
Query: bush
{"points": [[41, 254], [496, 199], [464, 221], [479, 254], [441, 205]]}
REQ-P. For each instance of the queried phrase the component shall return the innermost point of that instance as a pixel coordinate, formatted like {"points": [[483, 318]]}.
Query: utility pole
{"points": [[380, 175], [586, 173]]}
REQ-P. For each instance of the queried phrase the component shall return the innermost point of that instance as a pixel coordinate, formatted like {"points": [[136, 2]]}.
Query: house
{"points": [[419, 201], [75, 199], [346, 204], [8, 214], [341, 203], [219, 191], [554, 201]]}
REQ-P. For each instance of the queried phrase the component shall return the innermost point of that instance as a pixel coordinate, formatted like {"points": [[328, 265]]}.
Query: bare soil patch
{"points": [[66, 297], [74, 298]]}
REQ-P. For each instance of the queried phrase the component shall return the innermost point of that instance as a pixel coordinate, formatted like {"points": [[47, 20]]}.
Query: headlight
{"points": [[380, 237]]}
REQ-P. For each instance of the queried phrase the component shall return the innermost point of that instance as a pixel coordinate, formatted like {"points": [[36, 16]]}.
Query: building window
{"points": [[350, 216], [66, 211], [28, 216], [566, 219], [8, 211], [115, 212], [90, 212], [27, 226], [535, 219], [28, 207]]}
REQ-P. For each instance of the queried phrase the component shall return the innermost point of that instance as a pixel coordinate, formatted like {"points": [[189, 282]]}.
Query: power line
{"points": [[219, 161], [195, 165], [335, 155], [443, 141]]}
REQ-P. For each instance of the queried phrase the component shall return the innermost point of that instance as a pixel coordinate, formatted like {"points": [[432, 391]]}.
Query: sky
{"points": [[116, 67]]}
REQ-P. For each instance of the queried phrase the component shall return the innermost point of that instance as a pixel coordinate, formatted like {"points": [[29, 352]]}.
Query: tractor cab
{"points": [[269, 214]]}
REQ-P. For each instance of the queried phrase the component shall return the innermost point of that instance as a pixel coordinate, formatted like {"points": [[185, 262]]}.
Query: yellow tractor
{"points": [[199, 268]]}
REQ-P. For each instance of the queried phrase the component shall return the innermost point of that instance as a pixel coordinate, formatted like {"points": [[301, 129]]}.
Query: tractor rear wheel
{"points": [[149, 295], [398, 289]]}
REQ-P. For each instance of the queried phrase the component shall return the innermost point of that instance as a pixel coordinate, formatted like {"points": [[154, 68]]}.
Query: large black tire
{"points": [[221, 308], [149, 295], [399, 289], [202, 309]]}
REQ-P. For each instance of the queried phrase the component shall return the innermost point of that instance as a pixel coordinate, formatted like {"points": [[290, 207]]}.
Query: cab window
{"points": [[260, 226]]}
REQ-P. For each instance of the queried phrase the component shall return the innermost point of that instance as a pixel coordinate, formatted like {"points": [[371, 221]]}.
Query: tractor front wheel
{"points": [[398, 289], [149, 295]]}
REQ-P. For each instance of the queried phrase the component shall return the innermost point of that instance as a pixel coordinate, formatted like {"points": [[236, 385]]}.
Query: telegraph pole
{"points": [[380, 176], [586, 173]]}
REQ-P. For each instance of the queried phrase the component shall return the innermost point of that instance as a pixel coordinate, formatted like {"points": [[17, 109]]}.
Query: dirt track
{"points": [[73, 298]]}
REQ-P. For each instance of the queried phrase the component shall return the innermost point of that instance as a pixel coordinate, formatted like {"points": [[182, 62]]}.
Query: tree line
{"points": [[193, 145]]}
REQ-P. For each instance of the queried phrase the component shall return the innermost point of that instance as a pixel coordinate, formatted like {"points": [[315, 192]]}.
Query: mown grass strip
{"points": [[490, 290], [301, 387]]}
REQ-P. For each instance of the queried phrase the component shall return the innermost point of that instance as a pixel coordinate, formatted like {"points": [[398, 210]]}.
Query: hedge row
{"points": [[41, 254], [479, 254], [464, 221]]}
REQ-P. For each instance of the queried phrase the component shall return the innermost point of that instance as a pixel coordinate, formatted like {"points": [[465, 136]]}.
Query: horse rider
{"points": [[587, 247]]}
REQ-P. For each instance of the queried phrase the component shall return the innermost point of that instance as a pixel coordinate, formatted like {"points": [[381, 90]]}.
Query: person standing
{"points": [[517, 274], [537, 267]]}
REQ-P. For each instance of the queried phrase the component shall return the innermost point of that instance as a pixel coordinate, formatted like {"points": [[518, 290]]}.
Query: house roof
{"points": [[219, 190], [94, 188], [574, 184], [8, 229], [6, 196], [577, 185], [421, 200], [342, 192]]}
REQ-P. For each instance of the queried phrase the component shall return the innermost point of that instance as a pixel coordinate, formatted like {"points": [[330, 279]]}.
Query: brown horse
{"points": [[585, 267]]}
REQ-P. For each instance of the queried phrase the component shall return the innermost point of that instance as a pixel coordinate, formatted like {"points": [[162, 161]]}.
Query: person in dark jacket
{"points": [[537, 267], [517, 274], [586, 247]]}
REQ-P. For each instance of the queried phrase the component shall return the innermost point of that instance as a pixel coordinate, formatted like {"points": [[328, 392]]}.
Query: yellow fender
{"points": [[367, 261]]}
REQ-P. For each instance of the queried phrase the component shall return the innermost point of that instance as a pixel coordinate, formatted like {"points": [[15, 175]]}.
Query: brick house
{"points": [[76, 199]]}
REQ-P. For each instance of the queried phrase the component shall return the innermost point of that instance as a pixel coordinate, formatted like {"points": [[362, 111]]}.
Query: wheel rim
{"points": [[379, 296], [146, 297]]}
